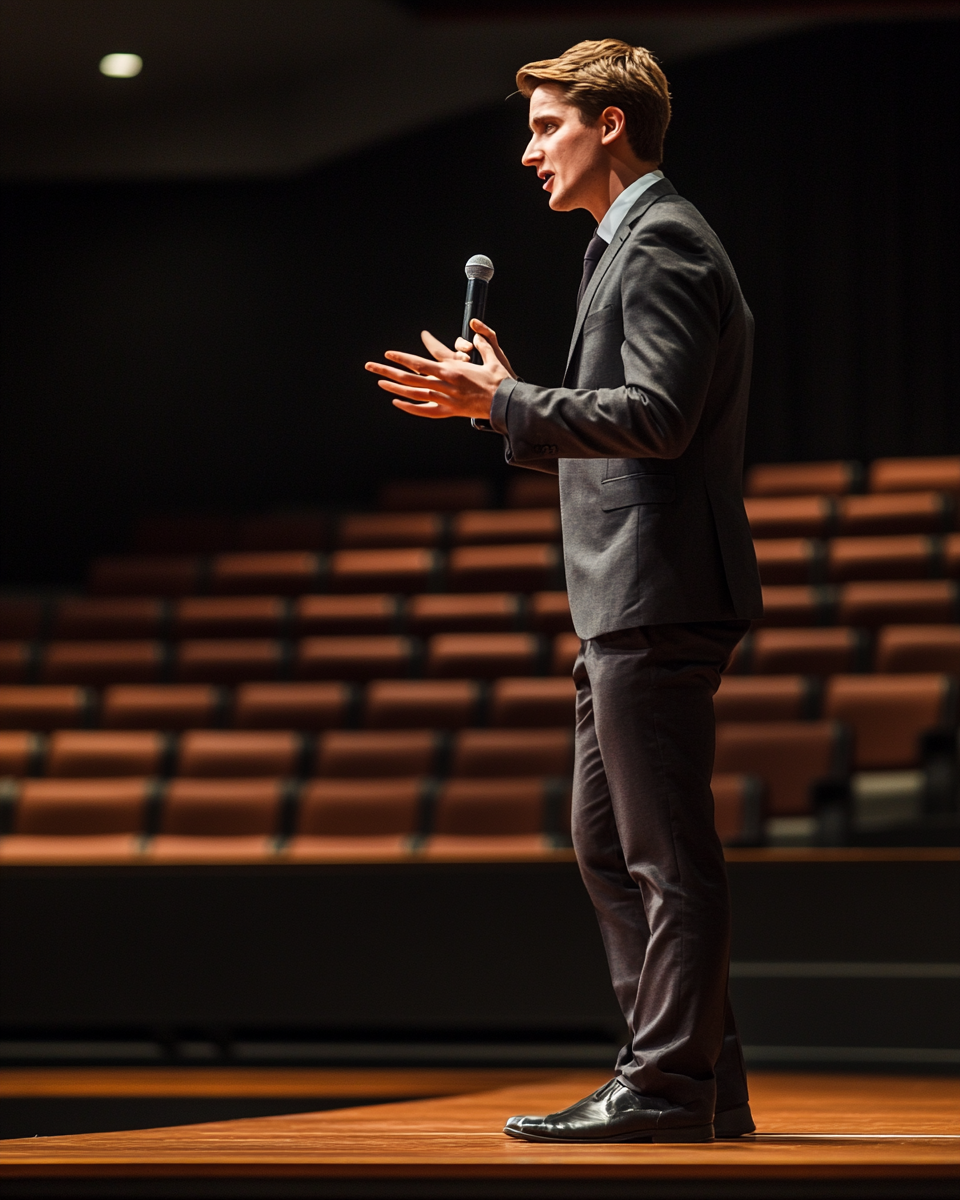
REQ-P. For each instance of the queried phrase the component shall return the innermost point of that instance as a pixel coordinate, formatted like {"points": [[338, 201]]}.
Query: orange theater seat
{"points": [[789, 560], [915, 474], [910, 556], [477, 612], [889, 714], [45, 707], [803, 651], [496, 848], [222, 807], [478, 808], [90, 753], [951, 555], [223, 753], [566, 647], [532, 489], [790, 516], [791, 757], [186, 533], [287, 573], [422, 704], [103, 662], [228, 660], [21, 753], [172, 848], [909, 601], [908, 512], [110, 848], [505, 525], [803, 479], [549, 612], [354, 657], [435, 495], [284, 531], [484, 655], [147, 575], [367, 848], [909, 648], [77, 807], [530, 567], [766, 698], [163, 706], [16, 661], [110, 617], [404, 571], [486, 753], [230, 616], [368, 754], [22, 617], [361, 808], [292, 705], [738, 809], [372, 531], [785, 605], [532, 703], [368, 613]]}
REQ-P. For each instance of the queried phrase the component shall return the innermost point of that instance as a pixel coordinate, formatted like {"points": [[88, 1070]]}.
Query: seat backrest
{"points": [[791, 757], [889, 714]]}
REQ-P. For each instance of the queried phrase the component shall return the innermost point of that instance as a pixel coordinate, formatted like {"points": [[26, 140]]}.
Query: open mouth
{"points": [[547, 178]]}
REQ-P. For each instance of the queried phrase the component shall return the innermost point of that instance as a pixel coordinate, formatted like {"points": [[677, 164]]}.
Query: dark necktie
{"points": [[590, 259]]}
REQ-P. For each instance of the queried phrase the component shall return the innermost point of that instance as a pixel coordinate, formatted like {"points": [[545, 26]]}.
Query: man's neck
{"points": [[621, 175]]}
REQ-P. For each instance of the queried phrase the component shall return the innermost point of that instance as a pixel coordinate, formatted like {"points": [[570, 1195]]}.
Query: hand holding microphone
{"points": [[461, 382]]}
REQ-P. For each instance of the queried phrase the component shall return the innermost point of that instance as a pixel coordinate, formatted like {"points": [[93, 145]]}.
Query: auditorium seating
{"points": [[323, 686]]}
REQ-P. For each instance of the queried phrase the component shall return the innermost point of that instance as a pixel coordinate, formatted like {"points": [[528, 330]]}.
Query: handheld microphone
{"points": [[479, 272]]}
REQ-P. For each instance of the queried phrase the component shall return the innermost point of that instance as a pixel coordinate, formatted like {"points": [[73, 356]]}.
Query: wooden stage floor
{"points": [[819, 1136]]}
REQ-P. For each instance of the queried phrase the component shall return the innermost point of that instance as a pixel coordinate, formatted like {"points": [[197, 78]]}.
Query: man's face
{"points": [[566, 153]]}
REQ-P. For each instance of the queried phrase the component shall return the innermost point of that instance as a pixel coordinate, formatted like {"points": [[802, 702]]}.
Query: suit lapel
{"points": [[662, 187]]}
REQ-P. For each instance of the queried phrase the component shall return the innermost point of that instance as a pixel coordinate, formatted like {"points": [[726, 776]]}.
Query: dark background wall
{"points": [[182, 346]]}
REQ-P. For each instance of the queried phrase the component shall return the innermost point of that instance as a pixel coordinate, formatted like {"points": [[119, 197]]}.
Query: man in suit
{"points": [[646, 433]]}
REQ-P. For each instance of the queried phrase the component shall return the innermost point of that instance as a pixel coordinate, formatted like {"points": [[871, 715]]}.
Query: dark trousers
{"points": [[650, 857]]}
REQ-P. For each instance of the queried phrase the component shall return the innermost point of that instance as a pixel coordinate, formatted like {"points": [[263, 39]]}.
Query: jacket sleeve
{"points": [[671, 302]]}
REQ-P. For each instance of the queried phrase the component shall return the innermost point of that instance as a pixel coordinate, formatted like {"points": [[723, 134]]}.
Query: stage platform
{"points": [[819, 1136]]}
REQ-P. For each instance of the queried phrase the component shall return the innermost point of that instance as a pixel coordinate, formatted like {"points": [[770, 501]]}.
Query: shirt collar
{"points": [[624, 202]]}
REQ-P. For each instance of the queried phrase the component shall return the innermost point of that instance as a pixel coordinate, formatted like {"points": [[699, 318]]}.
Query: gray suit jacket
{"points": [[647, 430]]}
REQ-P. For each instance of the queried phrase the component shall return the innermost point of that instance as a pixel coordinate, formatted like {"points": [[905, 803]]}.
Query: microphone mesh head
{"points": [[479, 267]]}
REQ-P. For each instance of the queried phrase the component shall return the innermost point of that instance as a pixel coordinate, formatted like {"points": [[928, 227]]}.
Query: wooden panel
{"points": [[812, 1126]]}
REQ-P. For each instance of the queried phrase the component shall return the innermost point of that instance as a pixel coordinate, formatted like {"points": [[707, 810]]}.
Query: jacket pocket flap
{"points": [[627, 490]]}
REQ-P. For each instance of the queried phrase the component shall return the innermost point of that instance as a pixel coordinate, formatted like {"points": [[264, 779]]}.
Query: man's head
{"points": [[599, 106]]}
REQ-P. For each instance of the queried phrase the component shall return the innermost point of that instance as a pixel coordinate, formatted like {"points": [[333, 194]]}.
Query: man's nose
{"points": [[531, 154]]}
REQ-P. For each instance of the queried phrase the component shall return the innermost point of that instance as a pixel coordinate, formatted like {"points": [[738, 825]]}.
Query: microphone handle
{"points": [[475, 306]]}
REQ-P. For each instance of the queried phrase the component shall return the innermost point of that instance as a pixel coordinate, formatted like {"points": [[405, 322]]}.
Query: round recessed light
{"points": [[121, 66]]}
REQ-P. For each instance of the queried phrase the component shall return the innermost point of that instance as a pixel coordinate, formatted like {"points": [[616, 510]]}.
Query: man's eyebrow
{"points": [[541, 117]]}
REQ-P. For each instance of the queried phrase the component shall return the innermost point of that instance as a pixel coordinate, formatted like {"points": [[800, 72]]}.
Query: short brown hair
{"points": [[595, 75]]}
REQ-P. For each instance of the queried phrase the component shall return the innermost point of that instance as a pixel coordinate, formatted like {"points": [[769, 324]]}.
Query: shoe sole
{"points": [[687, 1133], [734, 1123]]}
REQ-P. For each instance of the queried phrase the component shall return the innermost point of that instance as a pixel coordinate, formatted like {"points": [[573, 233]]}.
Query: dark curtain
{"points": [[200, 345]]}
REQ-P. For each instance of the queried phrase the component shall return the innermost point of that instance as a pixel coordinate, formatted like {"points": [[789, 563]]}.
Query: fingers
{"points": [[409, 379], [412, 393], [434, 410], [439, 351], [480, 327], [487, 352]]}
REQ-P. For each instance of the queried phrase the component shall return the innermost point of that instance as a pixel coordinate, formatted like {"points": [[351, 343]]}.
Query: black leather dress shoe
{"points": [[734, 1122], [613, 1113]]}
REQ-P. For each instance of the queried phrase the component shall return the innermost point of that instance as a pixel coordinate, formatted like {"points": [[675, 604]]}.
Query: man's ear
{"points": [[613, 124]]}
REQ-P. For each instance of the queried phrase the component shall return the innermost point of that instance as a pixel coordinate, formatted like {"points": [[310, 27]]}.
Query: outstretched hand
{"points": [[451, 385]]}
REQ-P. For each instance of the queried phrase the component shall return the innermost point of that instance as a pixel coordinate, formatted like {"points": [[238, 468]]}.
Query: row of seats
{"points": [[522, 567], [80, 617], [357, 753], [888, 716], [769, 516], [826, 516], [524, 702], [840, 478], [319, 530], [805, 650], [867, 604], [236, 660], [528, 567]]}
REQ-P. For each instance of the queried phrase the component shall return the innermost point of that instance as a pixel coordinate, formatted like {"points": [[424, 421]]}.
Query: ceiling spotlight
{"points": [[121, 66]]}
